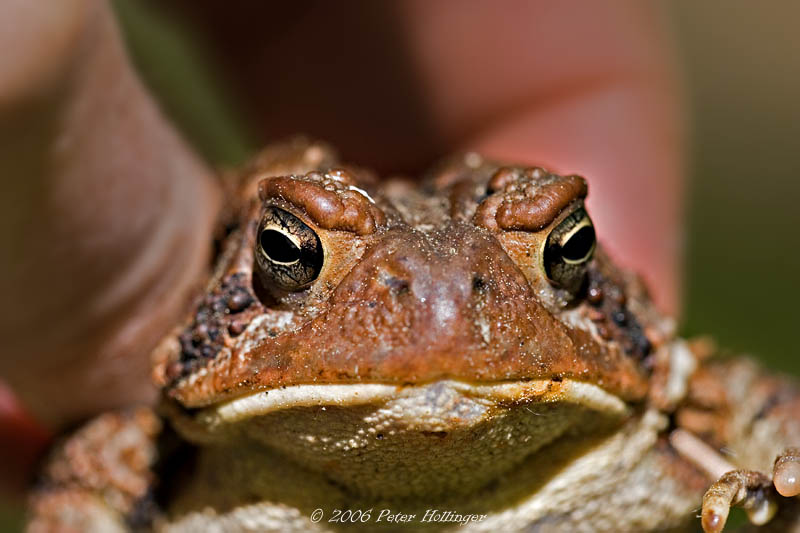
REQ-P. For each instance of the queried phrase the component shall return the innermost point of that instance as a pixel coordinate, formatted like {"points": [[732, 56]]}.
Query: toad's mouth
{"points": [[439, 401], [442, 406], [443, 436]]}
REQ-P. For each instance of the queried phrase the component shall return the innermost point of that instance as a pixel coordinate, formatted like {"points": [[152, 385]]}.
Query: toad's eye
{"points": [[568, 249], [288, 252]]}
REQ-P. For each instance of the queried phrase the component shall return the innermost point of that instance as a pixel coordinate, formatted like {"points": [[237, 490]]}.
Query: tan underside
{"points": [[518, 453]]}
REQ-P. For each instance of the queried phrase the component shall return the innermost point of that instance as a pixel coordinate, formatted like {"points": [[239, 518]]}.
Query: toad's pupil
{"points": [[278, 247], [579, 245]]}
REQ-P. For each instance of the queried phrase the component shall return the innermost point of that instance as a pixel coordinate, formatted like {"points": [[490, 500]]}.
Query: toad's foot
{"points": [[753, 491]]}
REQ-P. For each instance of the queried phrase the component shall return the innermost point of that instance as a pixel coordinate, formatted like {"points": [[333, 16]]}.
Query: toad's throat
{"points": [[374, 433]]}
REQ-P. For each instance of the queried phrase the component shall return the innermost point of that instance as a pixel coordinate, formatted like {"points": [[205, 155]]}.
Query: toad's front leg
{"points": [[100, 478], [757, 493], [757, 420]]}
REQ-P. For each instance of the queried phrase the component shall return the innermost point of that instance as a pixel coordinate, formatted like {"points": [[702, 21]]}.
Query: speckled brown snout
{"points": [[443, 296], [421, 306]]}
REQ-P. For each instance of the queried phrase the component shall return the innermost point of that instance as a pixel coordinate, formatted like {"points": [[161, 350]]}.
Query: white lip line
{"points": [[264, 402]]}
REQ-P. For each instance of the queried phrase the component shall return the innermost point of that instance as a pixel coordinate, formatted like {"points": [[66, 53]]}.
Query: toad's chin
{"points": [[392, 441]]}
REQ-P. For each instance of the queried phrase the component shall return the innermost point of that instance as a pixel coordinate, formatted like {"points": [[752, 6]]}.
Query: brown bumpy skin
{"points": [[428, 360], [101, 476]]}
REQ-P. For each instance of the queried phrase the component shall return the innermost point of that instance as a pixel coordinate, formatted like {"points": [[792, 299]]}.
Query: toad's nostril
{"points": [[478, 284], [396, 285]]}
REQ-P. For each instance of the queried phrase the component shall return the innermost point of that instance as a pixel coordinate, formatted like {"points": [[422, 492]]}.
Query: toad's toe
{"points": [[786, 474]]}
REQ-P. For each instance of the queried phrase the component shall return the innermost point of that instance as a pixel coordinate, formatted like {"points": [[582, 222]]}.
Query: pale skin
{"points": [[107, 212]]}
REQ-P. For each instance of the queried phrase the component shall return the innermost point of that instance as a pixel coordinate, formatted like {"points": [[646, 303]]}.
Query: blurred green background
{"points": [[741, 62]]}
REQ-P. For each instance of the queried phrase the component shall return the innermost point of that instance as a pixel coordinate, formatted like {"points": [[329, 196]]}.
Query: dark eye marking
{"points": [[278, 247], [289, 253], [568, 250], [580, 245]]}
